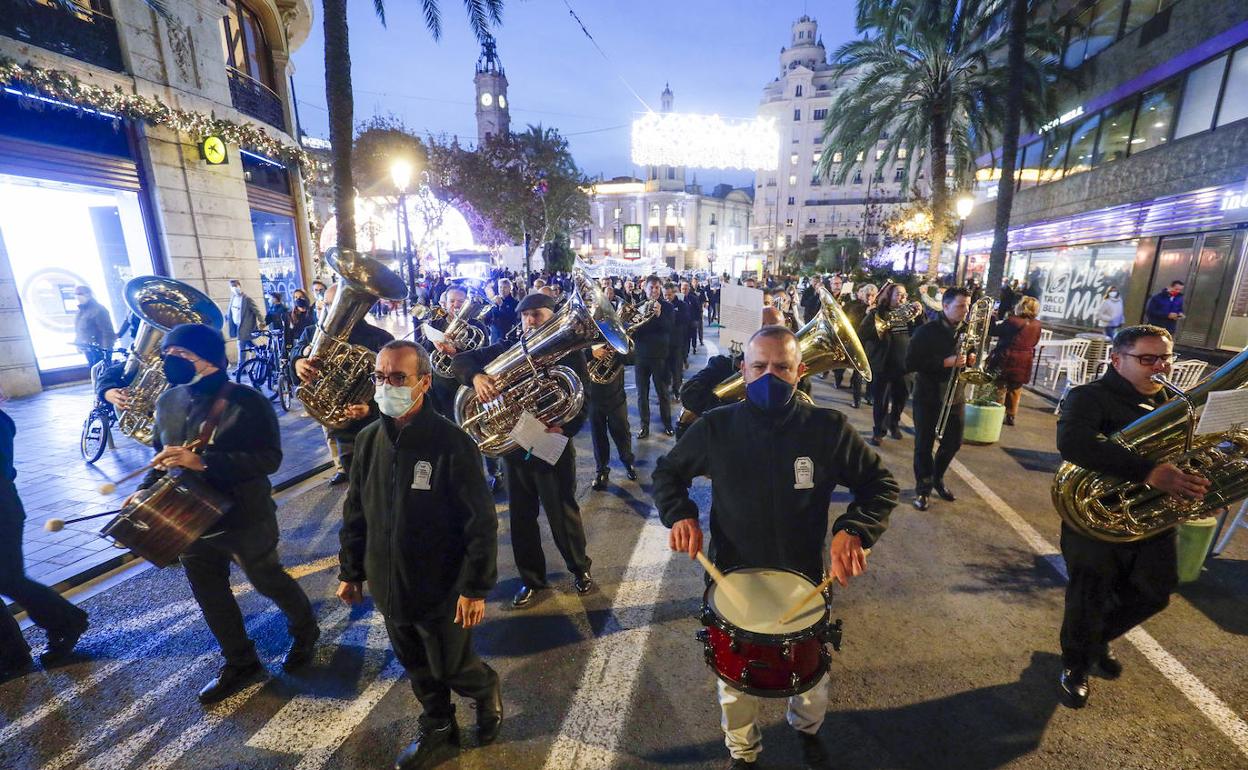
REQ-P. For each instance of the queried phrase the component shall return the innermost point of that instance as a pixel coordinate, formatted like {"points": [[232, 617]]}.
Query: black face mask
{"points": [[178, 371]]}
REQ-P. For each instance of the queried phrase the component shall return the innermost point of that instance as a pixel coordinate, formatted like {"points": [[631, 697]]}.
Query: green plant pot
{"points": [[1195, 537], [983, 423]]}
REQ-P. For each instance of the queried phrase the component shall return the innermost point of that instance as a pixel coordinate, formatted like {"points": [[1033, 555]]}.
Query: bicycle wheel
{"points": [[284, 391], [95, 436]]}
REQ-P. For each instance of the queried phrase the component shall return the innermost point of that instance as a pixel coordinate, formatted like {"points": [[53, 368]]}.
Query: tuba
{"points": [[827, 341], [530, 378], [1115, 510], [160, 304], [462, 334], [975, 342], [346, 369], [904, 314], [619, 325]]}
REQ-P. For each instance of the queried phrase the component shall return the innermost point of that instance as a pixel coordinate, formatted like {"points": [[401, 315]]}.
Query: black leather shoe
{"points": [[875, 441], [943, 491], [15, 665], [435, 740], [61, 644], [583, 583], [229, 681], [920, 502], [338, 478], [1108, 663], [643, 433], [667, 431], [1074, 683], [489, 716], [741, 764], [631, 471], [302, 650], [524, 597], [857, 402], [1009, 419], [813, 753], [600, 481], [895, 432]]}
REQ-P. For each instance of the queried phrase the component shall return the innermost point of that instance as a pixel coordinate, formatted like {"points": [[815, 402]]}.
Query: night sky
{"points": [[717, 55]]}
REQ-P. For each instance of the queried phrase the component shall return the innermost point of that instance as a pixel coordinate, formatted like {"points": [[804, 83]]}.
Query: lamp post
{"points": [[401, 175], [964, 205]]}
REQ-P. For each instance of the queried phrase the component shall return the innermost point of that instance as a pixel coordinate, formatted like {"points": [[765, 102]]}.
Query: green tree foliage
{"points": [[379, 143], [558, 255]]}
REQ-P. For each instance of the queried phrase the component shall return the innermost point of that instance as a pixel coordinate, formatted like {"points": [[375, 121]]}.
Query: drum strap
{"points": [[214, 416]]}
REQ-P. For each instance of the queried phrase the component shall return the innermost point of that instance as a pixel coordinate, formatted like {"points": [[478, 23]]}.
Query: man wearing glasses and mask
{"points": [[1116, 586], [419, 527]]}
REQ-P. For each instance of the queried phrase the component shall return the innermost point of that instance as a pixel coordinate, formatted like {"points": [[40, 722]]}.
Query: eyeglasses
{"points": [[1151, 359], [396, 379]]}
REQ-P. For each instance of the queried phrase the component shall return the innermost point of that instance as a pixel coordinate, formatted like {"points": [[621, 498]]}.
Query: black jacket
{"points": [[444, 389], [758, 517], [696, 394], [245, 448], [1093, 412], [10, 504], [501, 318], [678, 336], [608, 395], [653, 337], [363, 333], [695, 299], [470, 364], [418, 522], [887, 354], [931, 345]]}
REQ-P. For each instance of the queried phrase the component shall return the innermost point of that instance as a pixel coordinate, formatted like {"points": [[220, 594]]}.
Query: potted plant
{"points": [[984, 416]]}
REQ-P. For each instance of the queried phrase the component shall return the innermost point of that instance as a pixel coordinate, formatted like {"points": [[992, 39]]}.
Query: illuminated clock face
{"points": [[486, 99], [502, 101], [214, 150]]}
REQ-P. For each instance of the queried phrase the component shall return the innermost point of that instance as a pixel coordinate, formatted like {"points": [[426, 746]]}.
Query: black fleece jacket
{"points": [[929, 347], [1093, 412]]}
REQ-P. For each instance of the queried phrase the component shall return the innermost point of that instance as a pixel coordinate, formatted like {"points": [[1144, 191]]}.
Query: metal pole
{"points": [[528, 268], [957, 256]]}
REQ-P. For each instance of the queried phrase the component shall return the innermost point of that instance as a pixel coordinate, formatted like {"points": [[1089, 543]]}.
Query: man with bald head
{"points": [[774, 462]]}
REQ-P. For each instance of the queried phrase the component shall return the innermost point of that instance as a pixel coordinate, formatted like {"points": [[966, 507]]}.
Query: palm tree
{"points": [[340, 100], [927, 78]]}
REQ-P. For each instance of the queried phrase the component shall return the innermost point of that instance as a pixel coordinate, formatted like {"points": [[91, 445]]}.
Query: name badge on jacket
{"points": [[421, 475], [803, 473]]}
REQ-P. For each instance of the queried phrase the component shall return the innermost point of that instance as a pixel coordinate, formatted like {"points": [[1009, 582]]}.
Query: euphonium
{"points": [[1114, 510], [346, 369], [604, 370], [975, 342], [903, 314], [827, 341], [460, 333], [427, 313], [160, 304], [530, 378]]}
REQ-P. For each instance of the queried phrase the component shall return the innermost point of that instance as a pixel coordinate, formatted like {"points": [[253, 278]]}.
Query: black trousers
{"points": [[643, 371], [531, 483], [855, 385], [254, 549], [676, 368], [439, 660], [889, 395], [695, 333], [611, 419], [1113, 588], [48, 609], [930, 470], [712, 312]]}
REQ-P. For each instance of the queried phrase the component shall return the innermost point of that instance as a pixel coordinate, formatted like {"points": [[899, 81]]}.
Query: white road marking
{"points": [[1214, 709], [590, 733], [124, 754]]}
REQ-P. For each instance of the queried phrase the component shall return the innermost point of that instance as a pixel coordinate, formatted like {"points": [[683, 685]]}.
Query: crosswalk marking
{"points": [[123, 755]]}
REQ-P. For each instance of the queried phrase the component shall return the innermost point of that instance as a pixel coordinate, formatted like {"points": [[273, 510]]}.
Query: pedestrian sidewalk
{"points": [[55, 482]]}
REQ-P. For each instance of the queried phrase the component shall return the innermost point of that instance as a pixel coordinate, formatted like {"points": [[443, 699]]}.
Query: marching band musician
{"points": [[889, 389], [678, 339], [442, 395], [530, 480], [608, 414], [933, 356], [1114, 587], [341, 441], [749, 450], [241, 452], [856, 309], [650, 360], [419, 527]]}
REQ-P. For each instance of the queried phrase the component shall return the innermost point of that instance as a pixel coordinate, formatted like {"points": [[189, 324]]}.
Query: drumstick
{"points": [[729, 590], [797, 606], [109, 487]]}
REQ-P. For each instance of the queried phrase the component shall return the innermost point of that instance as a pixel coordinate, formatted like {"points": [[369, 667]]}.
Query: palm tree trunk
{"points": [[939, 143], [341, 104], [1009, 146]]}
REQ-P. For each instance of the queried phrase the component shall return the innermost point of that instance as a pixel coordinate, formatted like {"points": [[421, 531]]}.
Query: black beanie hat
{"points": [[536, 300], [204, 341]]}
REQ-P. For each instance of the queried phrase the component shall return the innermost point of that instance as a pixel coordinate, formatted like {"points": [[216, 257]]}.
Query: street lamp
{"points": [[401, 175], [964, 206]]}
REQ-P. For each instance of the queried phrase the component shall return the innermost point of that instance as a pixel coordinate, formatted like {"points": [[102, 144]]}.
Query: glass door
{"points": [[1207, 291]]}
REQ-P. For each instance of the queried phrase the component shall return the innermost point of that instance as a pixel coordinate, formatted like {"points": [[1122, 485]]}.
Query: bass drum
{"points": [[162, 521], [751, 650]]}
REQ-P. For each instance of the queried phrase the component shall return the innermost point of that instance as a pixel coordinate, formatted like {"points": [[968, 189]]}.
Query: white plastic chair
{"points": [[1072, 362], [1185, 374], [1239, 522], [1077, 374]]}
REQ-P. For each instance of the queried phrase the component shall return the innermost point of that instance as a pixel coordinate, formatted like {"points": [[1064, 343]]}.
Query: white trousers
{"points": [[739, 710]]}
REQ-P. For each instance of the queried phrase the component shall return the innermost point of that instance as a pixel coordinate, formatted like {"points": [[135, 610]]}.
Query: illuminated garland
{"points": [[66, 87]]}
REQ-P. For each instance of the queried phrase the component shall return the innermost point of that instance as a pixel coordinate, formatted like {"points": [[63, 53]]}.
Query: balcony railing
{"points": [[86, 31], [251, 97]]}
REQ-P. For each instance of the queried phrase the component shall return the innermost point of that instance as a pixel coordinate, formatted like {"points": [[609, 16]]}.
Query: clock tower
{"points": [[493, 110]]}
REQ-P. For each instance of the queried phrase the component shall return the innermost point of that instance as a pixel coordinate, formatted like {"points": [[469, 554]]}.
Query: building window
{"points": [[671, 172], [1156, 116], [879, 154], [818, 139], [858, 176], [1083, 146], [1200, 98], [819, 114], [1115, 133], [899, 173], [1107, 15], [797, 91], [811, 221], [838, 156], [1235, 98], [792, 200], [793, 159], [797, 114], [792, 179], [1140, 11], [1029, 164], [243, 41], [1053, 164], [788, 223], [901, 153], [859, 156]]}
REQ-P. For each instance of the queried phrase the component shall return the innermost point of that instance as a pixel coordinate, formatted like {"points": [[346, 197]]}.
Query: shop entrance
{"points": [[1206, 264]]}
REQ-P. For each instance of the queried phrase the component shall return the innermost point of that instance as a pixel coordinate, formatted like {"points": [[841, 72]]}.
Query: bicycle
{"points": [[269, 366], [97, 429]]}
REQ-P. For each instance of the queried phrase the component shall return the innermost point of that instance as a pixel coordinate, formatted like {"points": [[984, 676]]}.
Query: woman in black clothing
{"points": [[889, 386]]}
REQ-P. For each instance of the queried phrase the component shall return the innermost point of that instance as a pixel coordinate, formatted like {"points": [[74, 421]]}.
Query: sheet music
{"points": [[740, 313], [432, 334], [1223, 410], [530, 433]]}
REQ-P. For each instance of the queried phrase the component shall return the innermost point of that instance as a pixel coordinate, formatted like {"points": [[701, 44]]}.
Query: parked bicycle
{"points": [[97, 429], [268, 365]]}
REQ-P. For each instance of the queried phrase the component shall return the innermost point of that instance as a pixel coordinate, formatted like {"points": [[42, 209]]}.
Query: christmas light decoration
{"points": [[705, 141]]}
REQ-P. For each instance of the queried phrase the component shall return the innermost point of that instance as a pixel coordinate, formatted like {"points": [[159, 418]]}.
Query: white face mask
{"points": [[236, 290], [393, 400], [1113, 295]]}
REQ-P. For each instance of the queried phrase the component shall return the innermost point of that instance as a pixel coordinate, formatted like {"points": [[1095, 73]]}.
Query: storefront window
{"points": [[1083, 145], [1200, 98], [1115, 133], [278, 251], [1235, 329], [1157, 108], [1071, 281], [1235, 100], [1054, 162], [59, 236]]}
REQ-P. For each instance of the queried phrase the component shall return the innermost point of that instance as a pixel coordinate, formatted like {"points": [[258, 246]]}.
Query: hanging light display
{"points": [[705, 141]]}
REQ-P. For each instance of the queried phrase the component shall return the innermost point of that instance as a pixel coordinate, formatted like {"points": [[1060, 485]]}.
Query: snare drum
{"points": [[751, 650], [176, 510]]}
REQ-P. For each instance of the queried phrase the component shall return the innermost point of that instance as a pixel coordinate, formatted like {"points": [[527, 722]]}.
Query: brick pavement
{"points": [[55, 482]]}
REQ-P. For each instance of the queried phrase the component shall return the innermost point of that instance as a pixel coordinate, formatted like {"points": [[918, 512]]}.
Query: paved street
{"points": [[949, 661]]}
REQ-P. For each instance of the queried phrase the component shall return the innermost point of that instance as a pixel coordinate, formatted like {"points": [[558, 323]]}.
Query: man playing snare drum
{"points": [[773, 462]]}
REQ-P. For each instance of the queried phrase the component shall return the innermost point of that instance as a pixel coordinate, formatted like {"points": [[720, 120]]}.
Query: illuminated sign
{"points": [[1062, 119], [212, 150], [1235, 201], [705, 141], [632, 240]]}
